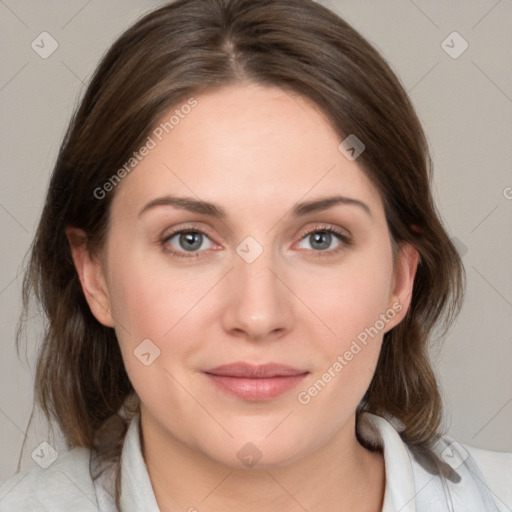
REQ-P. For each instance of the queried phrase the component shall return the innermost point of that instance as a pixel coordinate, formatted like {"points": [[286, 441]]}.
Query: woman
{"points": [[242, 264]]}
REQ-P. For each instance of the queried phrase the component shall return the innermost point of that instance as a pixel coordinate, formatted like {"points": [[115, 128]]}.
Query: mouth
{"points": [[255, 382]]}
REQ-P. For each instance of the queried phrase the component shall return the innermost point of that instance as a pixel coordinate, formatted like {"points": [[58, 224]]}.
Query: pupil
{"points": [[193, 240], [317, 238]]}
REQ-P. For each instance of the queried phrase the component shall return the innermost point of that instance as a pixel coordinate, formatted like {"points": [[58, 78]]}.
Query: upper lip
{"points": [[252, 371]]}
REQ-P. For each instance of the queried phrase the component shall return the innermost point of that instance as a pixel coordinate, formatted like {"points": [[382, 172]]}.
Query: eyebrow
{"points": [[216, 211]]}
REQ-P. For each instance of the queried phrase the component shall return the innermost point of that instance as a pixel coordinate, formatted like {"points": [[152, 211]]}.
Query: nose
{"points": [[258, 304]]}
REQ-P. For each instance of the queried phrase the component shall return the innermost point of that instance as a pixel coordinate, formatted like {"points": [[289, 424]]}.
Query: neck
{"points": [[341, 475]]}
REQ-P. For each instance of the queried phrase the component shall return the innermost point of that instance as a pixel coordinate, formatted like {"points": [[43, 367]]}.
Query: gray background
{"points": [[465, 104]]}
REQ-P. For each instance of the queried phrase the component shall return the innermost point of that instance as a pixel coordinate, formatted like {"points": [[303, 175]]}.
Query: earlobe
{"points": [[91, 275], [403, 282]]}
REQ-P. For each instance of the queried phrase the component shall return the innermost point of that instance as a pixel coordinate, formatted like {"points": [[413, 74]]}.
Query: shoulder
{"points": [[496, 468], [63, 486], [473, 479]]}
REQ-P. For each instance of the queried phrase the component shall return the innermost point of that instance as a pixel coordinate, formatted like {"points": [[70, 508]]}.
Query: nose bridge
{"points": [[258, 303], [255, 272]]}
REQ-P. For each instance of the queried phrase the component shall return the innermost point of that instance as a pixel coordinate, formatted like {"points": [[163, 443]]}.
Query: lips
{"points": [[255, 382], [264, 371]]}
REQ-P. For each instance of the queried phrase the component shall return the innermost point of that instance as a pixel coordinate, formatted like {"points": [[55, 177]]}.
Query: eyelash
{"points": [[344, 239]]}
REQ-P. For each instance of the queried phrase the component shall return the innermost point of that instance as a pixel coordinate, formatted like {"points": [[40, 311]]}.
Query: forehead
{"points": [[247, 146]]}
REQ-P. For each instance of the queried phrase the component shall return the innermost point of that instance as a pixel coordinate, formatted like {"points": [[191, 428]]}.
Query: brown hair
{"points": [[177, 51]]}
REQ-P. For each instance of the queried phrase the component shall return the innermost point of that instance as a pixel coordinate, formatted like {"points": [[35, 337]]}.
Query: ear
{"points": [[404, 273], [91, 275]]}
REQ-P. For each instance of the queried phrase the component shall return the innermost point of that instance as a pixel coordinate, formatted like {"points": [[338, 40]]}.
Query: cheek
{"points": [[150, 301], [148, 297], [141, 308], [350, 299], [150, 313]]}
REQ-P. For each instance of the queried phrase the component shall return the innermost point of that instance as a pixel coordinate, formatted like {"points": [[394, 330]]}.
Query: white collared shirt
{"points": [[476, 480]]}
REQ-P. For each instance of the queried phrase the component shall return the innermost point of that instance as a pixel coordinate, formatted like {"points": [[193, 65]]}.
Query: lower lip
{"points": [[255, 389]]}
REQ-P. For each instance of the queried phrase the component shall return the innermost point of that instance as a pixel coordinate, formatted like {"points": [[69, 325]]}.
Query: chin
{"points": [[257, 449], [254, 456]]}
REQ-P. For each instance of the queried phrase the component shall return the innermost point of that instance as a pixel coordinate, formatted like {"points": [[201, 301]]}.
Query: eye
{"points": [[186, 241], [322, 238]]}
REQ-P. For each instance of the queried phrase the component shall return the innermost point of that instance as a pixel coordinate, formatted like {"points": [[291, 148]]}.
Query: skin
{"points": [[256, 151]]}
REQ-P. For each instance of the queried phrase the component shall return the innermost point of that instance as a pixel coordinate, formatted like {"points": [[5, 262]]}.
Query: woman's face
{"points": [[258, 280]]}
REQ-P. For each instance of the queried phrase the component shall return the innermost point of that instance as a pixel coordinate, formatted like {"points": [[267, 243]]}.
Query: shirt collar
{"points": [[400, 489], [137, 492]]}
